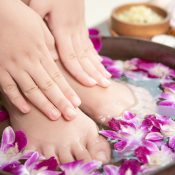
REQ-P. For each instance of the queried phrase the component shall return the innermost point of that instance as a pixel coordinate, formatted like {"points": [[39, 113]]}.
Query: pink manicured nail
{"points": [[92, 81], [76, 101], [71, 113], [100, 58], [25, 108], [108, 75], [55, 114]]}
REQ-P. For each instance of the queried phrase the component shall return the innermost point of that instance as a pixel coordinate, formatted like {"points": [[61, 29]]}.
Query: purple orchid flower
{"points": [[126, 135], [168, 86], [3, 114], [107, 61], [159, 124], [111, 170], [166, 101], [95, 37], [158, 157], [154, 70], [12, 146], [130, 167], [79, 167], [35, 165]]}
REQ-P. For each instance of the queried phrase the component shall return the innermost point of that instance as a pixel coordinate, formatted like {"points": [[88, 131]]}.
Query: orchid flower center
{"points": [[159, 70], [159, 158]]}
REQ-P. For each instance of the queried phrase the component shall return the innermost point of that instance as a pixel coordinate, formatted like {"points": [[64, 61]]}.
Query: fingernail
{"points": [[105, 82], [108, 75], [25, 108], [101, 156], [55, 114], [76, 101], [100, 58], [54, 55], [71, 113], [92, 81]]}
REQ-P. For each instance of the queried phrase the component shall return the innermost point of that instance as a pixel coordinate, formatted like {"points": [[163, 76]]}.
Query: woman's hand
{"points": [[67, 24], [27, 53]]}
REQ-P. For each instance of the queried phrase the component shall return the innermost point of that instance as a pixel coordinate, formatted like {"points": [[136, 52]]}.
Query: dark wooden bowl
{"points": [[126, 48]]}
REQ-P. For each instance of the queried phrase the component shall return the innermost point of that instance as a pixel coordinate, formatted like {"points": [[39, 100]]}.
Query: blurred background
{"points": [[98, 13]]}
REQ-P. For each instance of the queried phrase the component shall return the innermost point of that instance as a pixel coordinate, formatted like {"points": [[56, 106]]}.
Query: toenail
{"points": [[101, 156]]}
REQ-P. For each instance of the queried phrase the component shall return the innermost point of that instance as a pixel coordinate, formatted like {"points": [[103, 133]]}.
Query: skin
{"points": [[62, 139], [66, 22], [101, 104], [27, 53], [65, 140]]}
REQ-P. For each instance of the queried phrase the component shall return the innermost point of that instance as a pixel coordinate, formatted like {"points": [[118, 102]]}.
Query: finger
{"points": [[54, 72], [69, 59], [87, 64], [93, 54], [96, 60], [10, 89], [52, 92], [50, 42], [35, 96]]}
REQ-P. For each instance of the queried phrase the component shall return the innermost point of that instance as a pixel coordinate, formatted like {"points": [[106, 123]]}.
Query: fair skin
{"points": [[65, 140], [62, 139], [66, 21], [27, 53]]}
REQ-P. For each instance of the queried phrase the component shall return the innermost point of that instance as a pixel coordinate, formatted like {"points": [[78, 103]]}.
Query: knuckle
{"points": [[9, 88], [71, 57], [83, 57], [48, 84], [28, 92], [62, 103], [68, 91], [44, 103], [57, 75], [15, 98]]}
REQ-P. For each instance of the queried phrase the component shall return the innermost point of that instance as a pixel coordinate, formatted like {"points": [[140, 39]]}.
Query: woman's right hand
{"points": [[27, 67]]}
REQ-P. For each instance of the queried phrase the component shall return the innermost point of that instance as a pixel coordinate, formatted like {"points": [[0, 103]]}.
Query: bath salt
{"points": [[140, 15]]}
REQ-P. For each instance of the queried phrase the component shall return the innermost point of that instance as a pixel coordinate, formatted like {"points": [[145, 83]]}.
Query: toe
{"points": [[49, 151], [99, 149], [80, 152], [65, 155]]}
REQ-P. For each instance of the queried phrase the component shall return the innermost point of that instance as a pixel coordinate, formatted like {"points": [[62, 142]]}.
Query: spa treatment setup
{"points": [[139, 52]]}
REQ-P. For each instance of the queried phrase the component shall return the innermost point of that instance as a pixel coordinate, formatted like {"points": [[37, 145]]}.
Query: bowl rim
{"points": [[164, 21]]}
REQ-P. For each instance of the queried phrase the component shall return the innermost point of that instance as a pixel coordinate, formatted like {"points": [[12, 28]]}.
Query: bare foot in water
{"points": [[103, 103], [67, 141]]}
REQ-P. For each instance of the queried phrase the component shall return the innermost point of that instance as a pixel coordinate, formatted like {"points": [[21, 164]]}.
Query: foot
{"points": [[67, 141], [103, 103]]}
